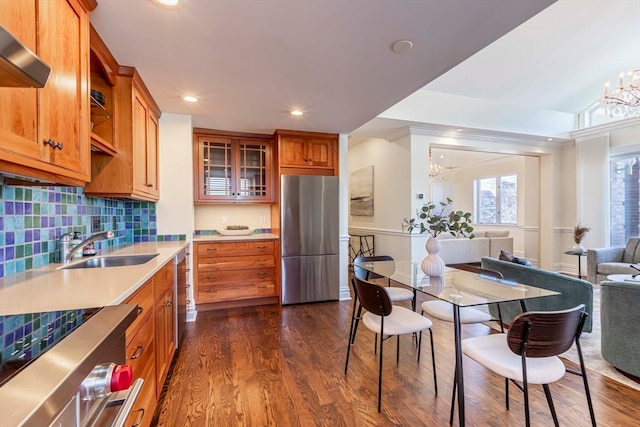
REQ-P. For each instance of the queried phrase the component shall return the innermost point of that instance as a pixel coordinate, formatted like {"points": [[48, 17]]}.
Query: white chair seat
{"points": [[398, 294], [493, 352], [400, 321], [443, 310]]}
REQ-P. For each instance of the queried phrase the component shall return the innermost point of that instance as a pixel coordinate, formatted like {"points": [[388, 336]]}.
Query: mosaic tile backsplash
{"points": [[33, 218], [26, 336]]}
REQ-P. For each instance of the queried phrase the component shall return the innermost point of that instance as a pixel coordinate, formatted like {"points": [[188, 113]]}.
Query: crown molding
{"points": [[605, 128]]}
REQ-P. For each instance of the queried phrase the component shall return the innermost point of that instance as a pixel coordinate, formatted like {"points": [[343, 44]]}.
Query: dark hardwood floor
{"points": [[284, 366]]}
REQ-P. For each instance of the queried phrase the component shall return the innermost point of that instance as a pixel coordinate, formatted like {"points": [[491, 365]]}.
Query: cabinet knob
{"points": [[150, 185], [53, 143], [262, 273]]}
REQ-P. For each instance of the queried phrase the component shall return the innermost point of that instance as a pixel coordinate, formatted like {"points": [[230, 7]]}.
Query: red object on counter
{"points": [[121, 378]]}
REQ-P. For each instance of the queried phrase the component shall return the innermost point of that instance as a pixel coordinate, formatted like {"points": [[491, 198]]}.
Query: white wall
{"points": [[175, 207], [211, 217]]}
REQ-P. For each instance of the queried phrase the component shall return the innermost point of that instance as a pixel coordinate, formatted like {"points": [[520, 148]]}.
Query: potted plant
{"points": [[579, 232], [435, 220]]}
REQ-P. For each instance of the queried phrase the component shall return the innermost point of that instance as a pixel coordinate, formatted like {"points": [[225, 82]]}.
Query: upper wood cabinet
{"points": [[103, 68], [44, 133], [307, 152], [133, 171], [232, 167]]}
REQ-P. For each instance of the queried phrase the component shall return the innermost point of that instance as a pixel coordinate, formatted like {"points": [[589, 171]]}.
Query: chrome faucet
{"points": [[68, 252]]}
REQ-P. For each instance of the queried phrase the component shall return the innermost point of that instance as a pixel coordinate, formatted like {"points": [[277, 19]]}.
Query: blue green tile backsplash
{"points": [[33, 218]]}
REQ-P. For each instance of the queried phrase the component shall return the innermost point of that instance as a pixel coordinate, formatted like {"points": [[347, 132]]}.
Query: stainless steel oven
{"points": [[80, 380]]}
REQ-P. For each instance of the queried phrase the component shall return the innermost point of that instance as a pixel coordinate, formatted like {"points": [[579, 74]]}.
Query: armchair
{"points": [[605, 261]]}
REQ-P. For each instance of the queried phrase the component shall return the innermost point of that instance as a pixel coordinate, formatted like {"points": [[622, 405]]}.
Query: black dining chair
{"points": [[387, 320], [528, 352], [397, 294]]}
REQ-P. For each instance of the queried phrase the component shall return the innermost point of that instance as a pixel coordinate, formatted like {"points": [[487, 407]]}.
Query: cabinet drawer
{"points": [[217, 293], [236, 276], [163, 279], [140, 350], [143, 297], [145, 404], [235, 248], [235, 263]]}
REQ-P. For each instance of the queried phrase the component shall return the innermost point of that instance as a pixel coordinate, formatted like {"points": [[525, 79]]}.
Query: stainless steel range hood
{"points": [[19, 67]]}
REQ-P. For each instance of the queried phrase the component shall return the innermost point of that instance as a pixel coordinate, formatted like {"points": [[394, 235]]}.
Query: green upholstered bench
{"points": [[572, 291]]}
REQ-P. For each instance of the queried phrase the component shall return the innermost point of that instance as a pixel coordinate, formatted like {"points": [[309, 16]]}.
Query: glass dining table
{"points": [[460, 288]]}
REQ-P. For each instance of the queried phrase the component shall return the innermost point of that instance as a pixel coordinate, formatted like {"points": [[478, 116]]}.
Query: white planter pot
{"points": [[433, 265]]}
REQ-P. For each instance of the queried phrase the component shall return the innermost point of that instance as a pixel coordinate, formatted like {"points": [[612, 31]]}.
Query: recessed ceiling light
{"points": [[169, 4], [459, 129], [296, 112], [549, 139], [402, 46], [190, 98]]}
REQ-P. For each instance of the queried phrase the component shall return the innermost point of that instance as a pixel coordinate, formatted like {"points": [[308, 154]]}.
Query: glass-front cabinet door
{"points": [[232, 169]]}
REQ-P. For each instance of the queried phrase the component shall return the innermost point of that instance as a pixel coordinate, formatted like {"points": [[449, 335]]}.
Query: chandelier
{"points": [[624, 99], [435, 170]]}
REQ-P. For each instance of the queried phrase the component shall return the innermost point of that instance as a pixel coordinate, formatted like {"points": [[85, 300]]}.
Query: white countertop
{"points": [[50, 288], [220, 238]]}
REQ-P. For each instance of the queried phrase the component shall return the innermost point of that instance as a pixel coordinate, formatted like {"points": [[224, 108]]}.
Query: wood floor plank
{"points": [[284, 366]]}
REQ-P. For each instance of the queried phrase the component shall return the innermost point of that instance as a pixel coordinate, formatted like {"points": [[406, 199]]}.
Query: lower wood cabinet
{"points": [[237, 273], [165, 322], [151, 341]]}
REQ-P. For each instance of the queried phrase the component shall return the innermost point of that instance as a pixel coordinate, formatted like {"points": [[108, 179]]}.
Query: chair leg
{"points": [[586, 383], [506, 393], [357, 321], [547, 393], [380, 374], [398, 349], [351, 335], [433, 362], [525, 385]]}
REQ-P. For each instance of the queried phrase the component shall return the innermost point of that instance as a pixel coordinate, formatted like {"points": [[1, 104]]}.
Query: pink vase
{"points": [[433, 265]]}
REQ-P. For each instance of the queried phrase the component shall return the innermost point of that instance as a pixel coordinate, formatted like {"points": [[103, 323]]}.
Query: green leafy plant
{"points": [[435, 221]]}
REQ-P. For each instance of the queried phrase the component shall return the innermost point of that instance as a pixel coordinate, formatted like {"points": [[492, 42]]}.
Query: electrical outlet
{"points": [[223, 219], [95, 224], [263, 219]]}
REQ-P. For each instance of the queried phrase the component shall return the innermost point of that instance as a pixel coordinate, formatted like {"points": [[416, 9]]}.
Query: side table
{"points": [[579, 255]]}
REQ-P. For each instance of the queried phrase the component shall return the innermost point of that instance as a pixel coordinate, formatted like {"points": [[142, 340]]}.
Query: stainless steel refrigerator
{"points": [[309, 238]]}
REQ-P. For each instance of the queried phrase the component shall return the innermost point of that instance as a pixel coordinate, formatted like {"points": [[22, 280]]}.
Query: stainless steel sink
{"points": [[111, 261]]}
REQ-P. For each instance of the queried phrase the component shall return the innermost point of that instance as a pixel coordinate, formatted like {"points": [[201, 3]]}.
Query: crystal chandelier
{"points": [[435, 170], [625, 98]]}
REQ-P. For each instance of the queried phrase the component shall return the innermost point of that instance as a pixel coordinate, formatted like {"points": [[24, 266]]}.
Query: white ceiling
{"points": [[252, 61]]}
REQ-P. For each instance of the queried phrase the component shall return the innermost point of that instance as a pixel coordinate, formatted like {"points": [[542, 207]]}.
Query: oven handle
{"points": [[128, 403]]}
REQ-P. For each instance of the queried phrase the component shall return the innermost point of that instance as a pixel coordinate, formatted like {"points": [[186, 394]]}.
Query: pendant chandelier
{"points": [[435, 170], [624, 99]]}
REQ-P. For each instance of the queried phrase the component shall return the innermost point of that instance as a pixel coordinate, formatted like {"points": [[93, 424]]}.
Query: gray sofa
{"points": [[603, 262], [572, 291], [620, 323]]}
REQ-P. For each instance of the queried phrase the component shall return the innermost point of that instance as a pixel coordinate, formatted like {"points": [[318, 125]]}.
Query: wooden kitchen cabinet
{"points": [[164, 322], [133, 171], [150, 341], [103, 67], [303, 153], [235, 274], [44, 133], [141, 354], [231, 167]]}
